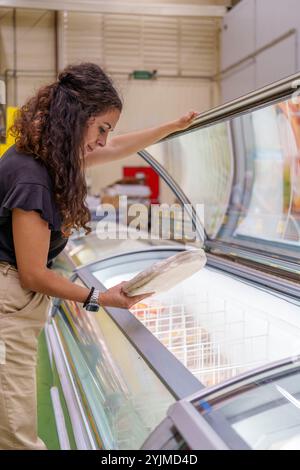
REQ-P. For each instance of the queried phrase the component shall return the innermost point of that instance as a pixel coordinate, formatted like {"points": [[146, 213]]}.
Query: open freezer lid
{"points": [[257, 410], [239, 167]]}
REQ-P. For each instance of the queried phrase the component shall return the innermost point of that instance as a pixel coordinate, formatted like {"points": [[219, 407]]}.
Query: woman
{"points": [[59, 132]]}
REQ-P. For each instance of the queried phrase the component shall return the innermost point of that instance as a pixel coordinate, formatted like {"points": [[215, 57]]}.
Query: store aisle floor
{"points": [[46, 421]]}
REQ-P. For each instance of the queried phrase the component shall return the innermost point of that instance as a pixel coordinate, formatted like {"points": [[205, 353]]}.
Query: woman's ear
{"points": [[90, 121]]}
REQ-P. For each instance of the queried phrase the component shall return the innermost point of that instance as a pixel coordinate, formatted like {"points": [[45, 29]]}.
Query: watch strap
{"points": [[88, 297], [94, 299]]}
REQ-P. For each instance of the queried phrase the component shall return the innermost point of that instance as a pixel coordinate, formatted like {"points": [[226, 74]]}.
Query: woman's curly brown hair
{"points": [[51, 126]]}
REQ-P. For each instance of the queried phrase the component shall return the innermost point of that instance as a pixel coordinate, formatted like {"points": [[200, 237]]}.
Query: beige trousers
{"points": [[23, 314]]}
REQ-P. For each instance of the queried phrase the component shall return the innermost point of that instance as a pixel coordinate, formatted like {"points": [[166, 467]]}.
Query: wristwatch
{"points": [[93, 304]]}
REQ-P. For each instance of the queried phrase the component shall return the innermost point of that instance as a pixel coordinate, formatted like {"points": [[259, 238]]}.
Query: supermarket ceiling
{"points": [[146, 7]]}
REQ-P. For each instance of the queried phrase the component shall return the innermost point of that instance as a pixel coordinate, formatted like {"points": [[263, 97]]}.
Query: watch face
{"points": [[92, 307]]}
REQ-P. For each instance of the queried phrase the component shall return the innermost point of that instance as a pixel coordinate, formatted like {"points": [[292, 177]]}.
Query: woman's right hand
{"points": [[115, 297]]}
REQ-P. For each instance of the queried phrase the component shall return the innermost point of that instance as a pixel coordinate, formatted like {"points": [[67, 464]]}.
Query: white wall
{"points": [[238, 33], [32, 53], [239, 82], [277, 62], [252, 25], [6, 39]]}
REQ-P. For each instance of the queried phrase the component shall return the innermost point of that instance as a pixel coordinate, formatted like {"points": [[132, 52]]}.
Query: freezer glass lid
{"points": [[264, 410], [243, 174], [86, 249], [201, 163], [122, 398]]}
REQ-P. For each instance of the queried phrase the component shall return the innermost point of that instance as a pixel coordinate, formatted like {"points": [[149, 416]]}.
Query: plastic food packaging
{"points": [[165, 274]]}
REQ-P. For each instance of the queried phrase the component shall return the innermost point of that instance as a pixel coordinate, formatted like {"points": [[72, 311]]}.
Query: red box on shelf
{"points": [[150, 177]]}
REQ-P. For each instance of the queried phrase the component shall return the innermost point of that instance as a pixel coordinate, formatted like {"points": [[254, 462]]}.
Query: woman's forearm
{"points": [[50, 283], [123, 146], [128, 144], [133, 142], [53, 284]]}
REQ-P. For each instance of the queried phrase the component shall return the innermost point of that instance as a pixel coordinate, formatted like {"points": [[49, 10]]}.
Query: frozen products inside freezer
{"points": [[165, 274], [216, 324]]}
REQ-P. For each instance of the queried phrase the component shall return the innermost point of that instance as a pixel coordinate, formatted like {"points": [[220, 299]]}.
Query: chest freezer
{"points": [[216, 325], [235, 173]]}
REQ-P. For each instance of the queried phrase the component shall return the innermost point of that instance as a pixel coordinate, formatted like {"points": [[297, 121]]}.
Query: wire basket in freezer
{"points": [[215, 343]]}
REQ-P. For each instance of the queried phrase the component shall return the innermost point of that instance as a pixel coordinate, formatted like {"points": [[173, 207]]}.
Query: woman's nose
{"points": [[101, 141]]}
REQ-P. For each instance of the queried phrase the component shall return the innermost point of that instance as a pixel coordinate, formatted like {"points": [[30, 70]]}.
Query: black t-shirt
{"points": [[26, 184]]}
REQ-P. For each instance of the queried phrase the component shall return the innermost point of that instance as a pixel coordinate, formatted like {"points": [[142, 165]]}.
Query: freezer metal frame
{"points": [[256, 99], [256, 277], [155, 354]]}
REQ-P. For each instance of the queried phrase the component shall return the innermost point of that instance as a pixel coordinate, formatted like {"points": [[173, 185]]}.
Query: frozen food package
{"points": [[165, 274]]}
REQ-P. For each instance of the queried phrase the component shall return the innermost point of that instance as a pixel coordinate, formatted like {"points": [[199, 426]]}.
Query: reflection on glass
{"points": [[201, 162], [123, 398], [265, 413], [246, 172], [86, 249], [271, 206]]}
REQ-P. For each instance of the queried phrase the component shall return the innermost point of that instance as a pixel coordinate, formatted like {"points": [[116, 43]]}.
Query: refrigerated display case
{"points": [[259, 410], [216, 325], [235, 174]]}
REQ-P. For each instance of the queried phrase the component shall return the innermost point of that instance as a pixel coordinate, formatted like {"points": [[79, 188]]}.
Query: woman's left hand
{"points": [[185, 121]]}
